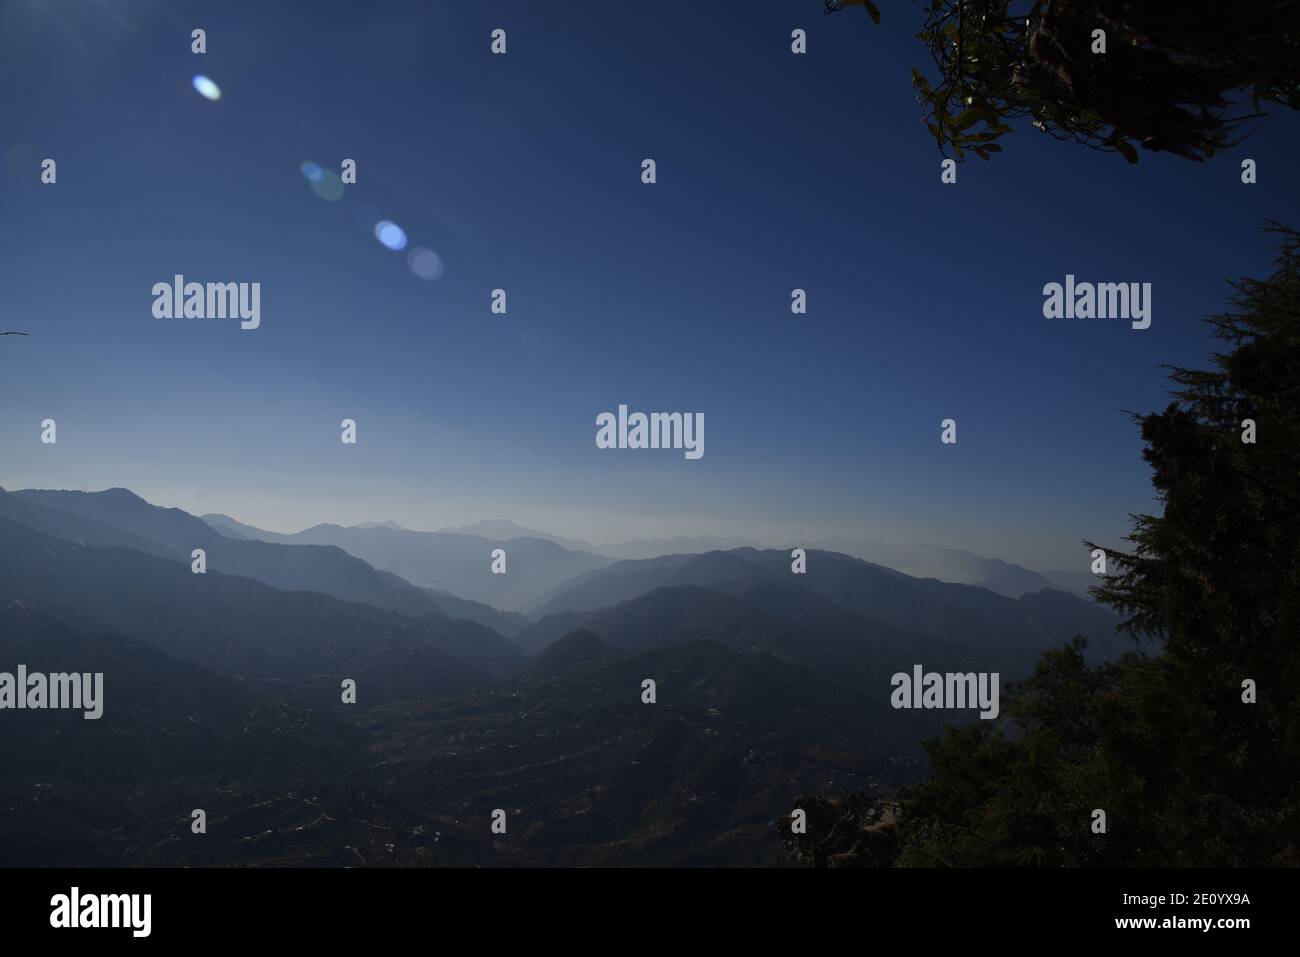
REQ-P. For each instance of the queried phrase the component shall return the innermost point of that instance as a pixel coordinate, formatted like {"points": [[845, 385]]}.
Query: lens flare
{"points": [[390, 234], [207, 88], [324, 184], [425, 263]]}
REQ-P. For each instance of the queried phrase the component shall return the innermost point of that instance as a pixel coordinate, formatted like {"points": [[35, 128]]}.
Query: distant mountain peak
{"points": [[119, 494], [116, 492], [220, 519], [323, 526], [386, 524]]}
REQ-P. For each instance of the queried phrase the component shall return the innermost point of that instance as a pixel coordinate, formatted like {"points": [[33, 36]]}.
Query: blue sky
{"points": [[522, 171]]}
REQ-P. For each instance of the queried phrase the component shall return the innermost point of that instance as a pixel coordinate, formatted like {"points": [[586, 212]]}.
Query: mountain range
{"points": [[917, 560], [452, 562], [839, 595], [174, 534], [222, 689], [959, 567]]}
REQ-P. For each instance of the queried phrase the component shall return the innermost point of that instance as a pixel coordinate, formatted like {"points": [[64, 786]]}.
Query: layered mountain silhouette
{"points": [[947, 564], [190, 719], [508, 623], [501, 530], [173, 736], [917, 561], [1076, 580], [300, 643], [835, 585], [785, 623], [678, 544], [222, 691], [450, 562], [174, 534]]}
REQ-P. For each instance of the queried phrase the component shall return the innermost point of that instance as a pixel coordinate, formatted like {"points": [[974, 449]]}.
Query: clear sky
{"points": [[522, 172]]}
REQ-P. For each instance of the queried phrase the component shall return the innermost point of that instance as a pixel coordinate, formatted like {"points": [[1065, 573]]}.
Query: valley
{"points": [[221, 693]]}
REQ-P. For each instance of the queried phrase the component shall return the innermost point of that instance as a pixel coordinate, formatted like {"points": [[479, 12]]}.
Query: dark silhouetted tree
{"points": [[1187, 772], [1176, 75]]}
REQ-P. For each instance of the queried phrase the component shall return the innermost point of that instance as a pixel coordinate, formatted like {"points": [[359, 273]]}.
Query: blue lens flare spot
{"points": [[425, 263], [390, 234]]}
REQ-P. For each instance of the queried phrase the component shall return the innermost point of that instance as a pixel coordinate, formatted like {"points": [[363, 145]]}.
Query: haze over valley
{"points": [[473, 689]]}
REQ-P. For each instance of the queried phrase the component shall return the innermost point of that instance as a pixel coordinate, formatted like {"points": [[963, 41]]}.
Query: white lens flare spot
{"points": [[312, 171], [425, 263], [207, 88], [390, 234]]}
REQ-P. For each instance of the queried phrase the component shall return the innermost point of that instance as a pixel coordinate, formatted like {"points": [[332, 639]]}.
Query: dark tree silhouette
{"points": [[1188, 771], [1176, 75]]}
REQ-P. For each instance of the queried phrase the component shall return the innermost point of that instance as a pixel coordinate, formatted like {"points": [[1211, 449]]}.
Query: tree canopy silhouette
{"points": [[1188, 769], [1190, 743], [1176, 75]]}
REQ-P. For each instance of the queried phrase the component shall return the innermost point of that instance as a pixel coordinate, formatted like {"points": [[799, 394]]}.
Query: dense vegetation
{"points": [[1183, 76], [1165, 739]]}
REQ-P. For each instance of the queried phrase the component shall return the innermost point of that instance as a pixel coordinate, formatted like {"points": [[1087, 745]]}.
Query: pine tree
{"points": [[1186, 770]]}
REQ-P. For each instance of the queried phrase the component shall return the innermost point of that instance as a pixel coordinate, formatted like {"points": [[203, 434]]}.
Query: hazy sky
{"points": [[522, 171]]}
